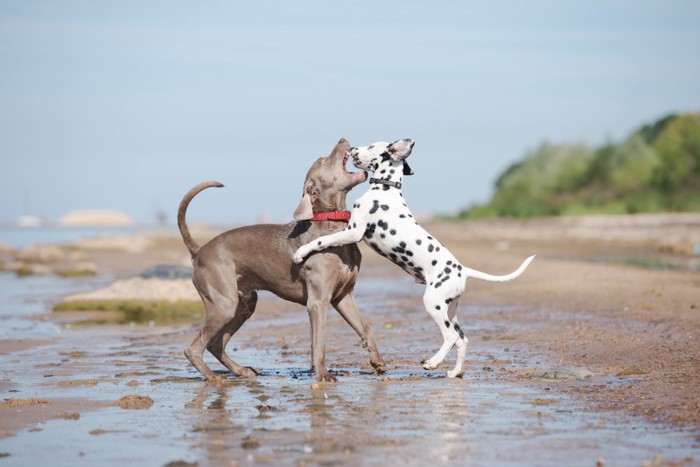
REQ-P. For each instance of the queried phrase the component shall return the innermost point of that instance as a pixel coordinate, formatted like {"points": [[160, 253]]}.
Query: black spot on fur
{"points": [[382, 224], [449, 262], [447, 324], [459, 330], [384, 207], [434, 262], [418, 241], [319, 243], [447, 270], [392, 231], [402, 216], [375, 207], [369, 232], [431, 248], [448, 300]]}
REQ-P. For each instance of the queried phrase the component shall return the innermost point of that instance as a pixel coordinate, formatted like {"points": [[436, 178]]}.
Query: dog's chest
{"points": [[392, 232]]}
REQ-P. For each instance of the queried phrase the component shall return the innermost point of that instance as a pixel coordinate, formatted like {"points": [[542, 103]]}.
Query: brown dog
{"points": [[230, 268]]}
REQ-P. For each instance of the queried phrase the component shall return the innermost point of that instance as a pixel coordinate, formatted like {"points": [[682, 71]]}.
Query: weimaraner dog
{"points": [[232, 267]]}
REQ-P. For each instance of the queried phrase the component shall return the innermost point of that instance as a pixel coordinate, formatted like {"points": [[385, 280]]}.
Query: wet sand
{"points": [[588, 357]]}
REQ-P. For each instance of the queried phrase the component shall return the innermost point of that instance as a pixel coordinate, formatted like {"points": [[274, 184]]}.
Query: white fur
{"points": [[382, 219]]}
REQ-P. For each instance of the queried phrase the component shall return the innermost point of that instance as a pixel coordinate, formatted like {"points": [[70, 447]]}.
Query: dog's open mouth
{"points": [[345, 167]]}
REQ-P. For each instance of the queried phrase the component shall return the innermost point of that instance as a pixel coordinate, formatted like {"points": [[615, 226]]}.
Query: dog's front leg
{"points": [[317, 306], [344, 237]]}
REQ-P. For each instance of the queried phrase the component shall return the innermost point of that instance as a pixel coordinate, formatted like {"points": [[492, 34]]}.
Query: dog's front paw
{"points": [[298, 256]]}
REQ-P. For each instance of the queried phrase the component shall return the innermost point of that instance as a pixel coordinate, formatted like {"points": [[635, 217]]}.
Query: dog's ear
{"points": [[400, 149], [305, 210]]}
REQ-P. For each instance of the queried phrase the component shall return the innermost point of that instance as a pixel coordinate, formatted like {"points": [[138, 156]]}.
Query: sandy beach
{"points": [[591, 357]]}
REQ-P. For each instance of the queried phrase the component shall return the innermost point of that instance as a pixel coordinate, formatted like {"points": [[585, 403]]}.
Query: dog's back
{"points": [[261, 256]]}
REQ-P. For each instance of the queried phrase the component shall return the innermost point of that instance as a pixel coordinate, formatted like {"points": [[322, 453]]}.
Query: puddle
{"points": [[409, 415], [23, 299]]}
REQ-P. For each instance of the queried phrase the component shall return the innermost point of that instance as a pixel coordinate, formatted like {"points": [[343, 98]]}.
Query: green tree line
{"points": [[657, 168]]}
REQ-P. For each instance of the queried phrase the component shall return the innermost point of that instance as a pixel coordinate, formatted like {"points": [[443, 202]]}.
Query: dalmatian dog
{"points": [[381, 218]]}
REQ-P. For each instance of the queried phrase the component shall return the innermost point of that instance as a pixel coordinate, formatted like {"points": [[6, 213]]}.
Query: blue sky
{"points": [[126, 105]]}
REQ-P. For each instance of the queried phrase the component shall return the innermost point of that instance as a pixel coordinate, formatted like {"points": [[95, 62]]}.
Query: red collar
{"points": [[331, 216]]}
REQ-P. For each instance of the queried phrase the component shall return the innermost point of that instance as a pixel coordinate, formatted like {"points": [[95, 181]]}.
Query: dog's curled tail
{"points": [[508, 277], [182, 225]]}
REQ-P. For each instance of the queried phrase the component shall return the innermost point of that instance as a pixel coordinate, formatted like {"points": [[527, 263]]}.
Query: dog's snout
{"points": [[342, 140]]}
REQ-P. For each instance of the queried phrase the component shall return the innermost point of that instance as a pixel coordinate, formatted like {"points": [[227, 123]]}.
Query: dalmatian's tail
{"points": [[491, 278]]}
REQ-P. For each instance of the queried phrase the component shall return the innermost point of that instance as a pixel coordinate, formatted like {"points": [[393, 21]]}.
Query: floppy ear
{"points": [[305, 210]]}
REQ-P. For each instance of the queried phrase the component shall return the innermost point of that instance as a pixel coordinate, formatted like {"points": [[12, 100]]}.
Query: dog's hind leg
{"points": [[437, 307], [217, 346], [348, 310], [220, 302], [460, 343]]}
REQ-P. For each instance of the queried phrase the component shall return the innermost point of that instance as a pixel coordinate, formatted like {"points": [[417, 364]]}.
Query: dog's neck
{"points": [[387, 176], [335, 202]]}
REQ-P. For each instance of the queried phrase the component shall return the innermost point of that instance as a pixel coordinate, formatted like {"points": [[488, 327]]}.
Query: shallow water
{"points": [[408, 416], [24, 301]]}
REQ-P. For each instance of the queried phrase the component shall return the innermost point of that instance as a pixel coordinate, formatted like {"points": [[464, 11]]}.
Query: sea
{"points": [[21, 237]]}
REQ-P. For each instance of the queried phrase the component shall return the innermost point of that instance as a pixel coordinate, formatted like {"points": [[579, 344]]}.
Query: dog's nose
{"points": [[342, 140]]}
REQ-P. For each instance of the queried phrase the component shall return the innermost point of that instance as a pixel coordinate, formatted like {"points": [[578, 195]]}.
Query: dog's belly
{"points": [[408, 252], [410, 247]]}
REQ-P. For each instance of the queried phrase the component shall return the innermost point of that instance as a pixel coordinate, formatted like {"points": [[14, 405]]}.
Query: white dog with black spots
{"points": [[380, 217]]}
